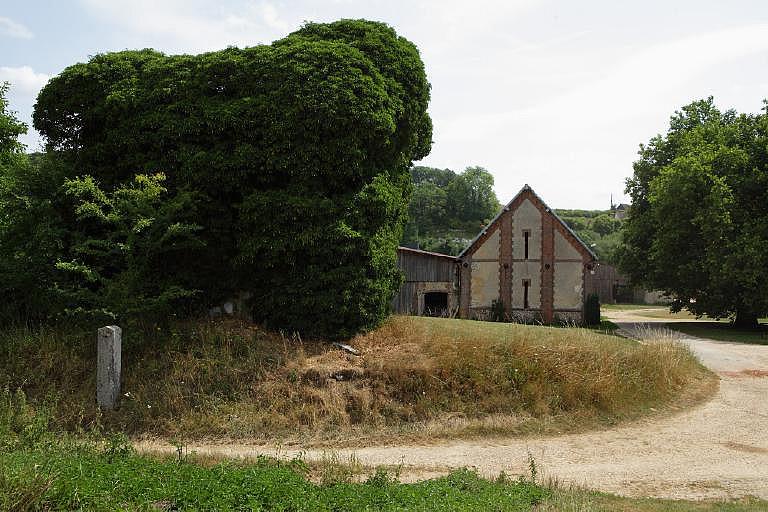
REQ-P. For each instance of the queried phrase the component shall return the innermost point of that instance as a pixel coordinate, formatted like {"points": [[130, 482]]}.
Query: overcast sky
{"points": [[557, 94]]}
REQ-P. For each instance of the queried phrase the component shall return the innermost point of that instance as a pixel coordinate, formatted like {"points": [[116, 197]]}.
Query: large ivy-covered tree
{"points": [[290, 160], [698, 227]]}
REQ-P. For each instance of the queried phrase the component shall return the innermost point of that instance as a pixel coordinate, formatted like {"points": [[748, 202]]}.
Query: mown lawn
{"points": [[723, 332], [627, 307]]}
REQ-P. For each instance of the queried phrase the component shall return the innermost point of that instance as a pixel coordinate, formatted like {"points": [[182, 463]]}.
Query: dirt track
{"points": [[715, 450]]}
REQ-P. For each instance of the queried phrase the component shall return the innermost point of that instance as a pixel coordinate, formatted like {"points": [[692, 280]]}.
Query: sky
{"points": [[553, 93]]}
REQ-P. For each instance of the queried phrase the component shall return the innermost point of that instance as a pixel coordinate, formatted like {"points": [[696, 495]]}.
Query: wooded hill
{"points": [[448, 210]]}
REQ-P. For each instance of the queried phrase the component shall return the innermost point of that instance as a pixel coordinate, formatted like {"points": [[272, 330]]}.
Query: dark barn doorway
{"points": [[436, 304]]}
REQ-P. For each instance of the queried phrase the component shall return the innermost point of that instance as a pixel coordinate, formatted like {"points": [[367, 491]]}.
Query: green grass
{"points": [[722, 332], [92, 481], [579, 500], [627, 307], [81, 477]]}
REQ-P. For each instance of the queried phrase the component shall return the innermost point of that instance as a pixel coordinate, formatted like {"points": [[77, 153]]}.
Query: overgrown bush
{"points": [[592, 309], [278, 170]]}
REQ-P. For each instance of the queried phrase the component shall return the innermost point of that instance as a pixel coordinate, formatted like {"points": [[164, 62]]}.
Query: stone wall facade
{"points": [[528, 260]]}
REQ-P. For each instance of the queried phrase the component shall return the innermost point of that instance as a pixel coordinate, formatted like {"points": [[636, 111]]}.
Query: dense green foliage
{"points": [[448, 209], [10, 129], [28, 225], [698, 227], [280, 171], [597, 228]]}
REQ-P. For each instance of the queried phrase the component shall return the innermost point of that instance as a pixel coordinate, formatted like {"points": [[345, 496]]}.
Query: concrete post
{"points": [[109, 341]]}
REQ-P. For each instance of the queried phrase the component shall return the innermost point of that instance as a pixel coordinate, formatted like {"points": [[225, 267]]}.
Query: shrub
{"points": [[592, 309], [497, 311]]}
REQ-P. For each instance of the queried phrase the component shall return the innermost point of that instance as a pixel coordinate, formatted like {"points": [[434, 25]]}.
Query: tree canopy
{"points": [[281, 171], [448, 209], [10, 129], [698, 227], [596, 228]]}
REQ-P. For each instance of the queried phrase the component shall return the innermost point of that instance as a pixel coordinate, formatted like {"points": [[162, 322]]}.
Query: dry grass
{"points": [[416, 378], [575, 499]]}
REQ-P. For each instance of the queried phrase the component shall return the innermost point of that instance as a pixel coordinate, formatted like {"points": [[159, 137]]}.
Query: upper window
{"points": [[527, 239]]}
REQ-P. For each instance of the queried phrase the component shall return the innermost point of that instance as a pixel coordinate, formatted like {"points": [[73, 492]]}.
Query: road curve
{"points": [[718, 449]]}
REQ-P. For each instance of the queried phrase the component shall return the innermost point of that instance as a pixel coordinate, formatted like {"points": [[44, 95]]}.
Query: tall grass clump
{"points": [[418, 377]]}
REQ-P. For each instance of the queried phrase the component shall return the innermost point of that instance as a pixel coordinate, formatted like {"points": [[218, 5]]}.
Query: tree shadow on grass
{"points": [[721, 331]]}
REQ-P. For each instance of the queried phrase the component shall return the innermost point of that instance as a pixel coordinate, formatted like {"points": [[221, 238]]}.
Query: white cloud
{"points": [[24, 80], [588, 132], [12, 28], [557, 94], [192, 25]]}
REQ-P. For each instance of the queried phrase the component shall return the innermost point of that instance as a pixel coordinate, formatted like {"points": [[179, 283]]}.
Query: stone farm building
{"points": [[526, 264]]}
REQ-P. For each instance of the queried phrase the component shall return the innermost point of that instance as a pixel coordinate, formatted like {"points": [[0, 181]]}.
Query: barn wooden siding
{"points": [[420, 267], [602, 282]]}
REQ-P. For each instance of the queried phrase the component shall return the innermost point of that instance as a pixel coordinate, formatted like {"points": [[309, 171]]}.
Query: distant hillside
{"points": [[597, 228]]}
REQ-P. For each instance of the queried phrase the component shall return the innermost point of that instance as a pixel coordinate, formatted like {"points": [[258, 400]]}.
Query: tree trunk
{"points": [[745, 320]]}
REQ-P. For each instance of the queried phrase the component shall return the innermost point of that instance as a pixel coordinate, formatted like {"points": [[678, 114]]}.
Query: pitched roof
{"points": [[425, 253], [527, 188]]}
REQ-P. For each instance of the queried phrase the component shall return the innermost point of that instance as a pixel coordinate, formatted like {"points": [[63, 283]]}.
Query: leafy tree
{"points": [[10, 130], [438, 177], [596, 228], [604, 224], [447, 209], [124, 248], [29, 234], [698, 227], [429, 205], [291, 162], [471, 196]]}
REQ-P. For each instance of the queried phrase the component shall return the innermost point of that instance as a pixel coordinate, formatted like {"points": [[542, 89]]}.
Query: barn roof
{"points": [[426, 253], [528, 189]]}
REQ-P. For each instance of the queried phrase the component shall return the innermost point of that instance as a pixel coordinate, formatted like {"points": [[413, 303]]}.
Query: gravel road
{"points": [[718, 449]]}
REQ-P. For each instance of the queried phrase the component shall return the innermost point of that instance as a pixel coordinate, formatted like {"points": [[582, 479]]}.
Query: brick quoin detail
{"points": [[547, 267], [465, 286], [505, 262]]}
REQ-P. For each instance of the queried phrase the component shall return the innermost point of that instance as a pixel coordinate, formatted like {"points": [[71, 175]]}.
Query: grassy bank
{"points": [[416, 377]]}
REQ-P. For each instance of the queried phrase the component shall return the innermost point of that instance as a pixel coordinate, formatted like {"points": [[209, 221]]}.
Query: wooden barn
{"points": [[431, 284], [526, 265]]}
